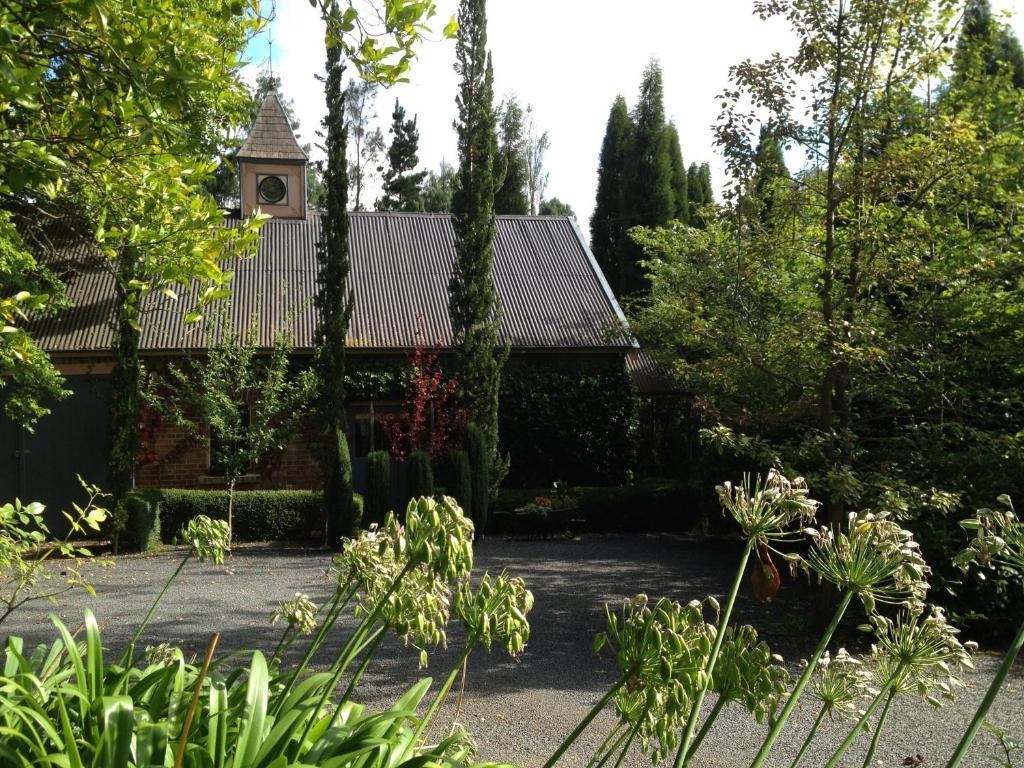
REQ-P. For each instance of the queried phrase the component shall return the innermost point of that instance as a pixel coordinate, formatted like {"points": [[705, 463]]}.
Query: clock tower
{"points": [[272, 165]]}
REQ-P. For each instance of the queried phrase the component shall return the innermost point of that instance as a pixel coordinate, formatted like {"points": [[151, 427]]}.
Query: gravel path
{"points": [[519, 711]]}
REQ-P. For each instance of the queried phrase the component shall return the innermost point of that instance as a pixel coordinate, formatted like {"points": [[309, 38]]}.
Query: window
{"points": [[273, 190], [219, 447]]}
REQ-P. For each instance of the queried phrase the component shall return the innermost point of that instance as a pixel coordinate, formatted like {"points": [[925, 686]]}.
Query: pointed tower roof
{"points": [[271, 137]]}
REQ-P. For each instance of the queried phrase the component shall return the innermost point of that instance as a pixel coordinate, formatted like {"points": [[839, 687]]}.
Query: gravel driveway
{"points": [[519, 711]]}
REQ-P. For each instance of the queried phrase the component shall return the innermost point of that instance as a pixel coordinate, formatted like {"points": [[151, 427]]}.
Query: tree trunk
{"points": [[124, 405]]}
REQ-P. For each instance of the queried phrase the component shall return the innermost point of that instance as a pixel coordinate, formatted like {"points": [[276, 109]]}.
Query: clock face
{"points": [[273, 190]]}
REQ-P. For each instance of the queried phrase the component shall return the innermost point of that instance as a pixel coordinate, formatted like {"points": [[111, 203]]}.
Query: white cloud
{"points": [[569, 59]]}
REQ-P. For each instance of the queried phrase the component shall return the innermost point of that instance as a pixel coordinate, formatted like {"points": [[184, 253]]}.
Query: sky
{"points": [[569, 59]]}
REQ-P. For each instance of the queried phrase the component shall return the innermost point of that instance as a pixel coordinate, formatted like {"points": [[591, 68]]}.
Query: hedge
{"points": [[421, 475], [258, 515], [142, 528], [378, 487]]}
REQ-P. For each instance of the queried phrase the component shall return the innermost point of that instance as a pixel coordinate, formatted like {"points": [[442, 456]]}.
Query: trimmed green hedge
{"points": [[142, 529], [258, 515]]}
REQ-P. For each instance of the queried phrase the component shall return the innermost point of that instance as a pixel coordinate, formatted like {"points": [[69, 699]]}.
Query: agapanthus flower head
{"points": [[768, 508], [663, 648], [299, 613], [496, 611], [749, 673], [874, 557], [920, 652], [998, 538], [841, 682], [438, 534]]}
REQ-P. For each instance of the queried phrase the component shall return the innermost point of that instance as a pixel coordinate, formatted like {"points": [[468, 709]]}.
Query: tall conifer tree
{"points": [[607, 225], [511, 196], [650, 200], [334, 305], [769, 167], [473, 301], [680, 192], [698, 182], [402, 186]]}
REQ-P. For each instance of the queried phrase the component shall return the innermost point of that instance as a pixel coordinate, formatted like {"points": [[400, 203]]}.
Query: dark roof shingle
{"points": [[552, 293]]}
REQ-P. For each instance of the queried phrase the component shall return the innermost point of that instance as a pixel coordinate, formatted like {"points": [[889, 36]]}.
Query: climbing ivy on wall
{"points": [[568, 418], [562, 418]]}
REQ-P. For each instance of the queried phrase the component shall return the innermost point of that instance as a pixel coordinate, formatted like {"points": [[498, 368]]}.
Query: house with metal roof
{"points": [[559, 320]]}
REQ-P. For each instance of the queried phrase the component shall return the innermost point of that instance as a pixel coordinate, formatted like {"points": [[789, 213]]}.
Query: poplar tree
{"points": [[680, 192], [511, 196], [403, 189], [334, 304], [473, 301], [607, 227]]}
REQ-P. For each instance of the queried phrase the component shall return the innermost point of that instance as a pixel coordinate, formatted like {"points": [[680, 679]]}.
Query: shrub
{"points": [[142, 528], [259, 515], [378, 486], [479, 476], [421, 475], [458, 478]]}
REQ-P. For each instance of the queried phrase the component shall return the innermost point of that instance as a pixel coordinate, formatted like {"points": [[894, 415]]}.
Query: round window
{"points": [[272, 189]]}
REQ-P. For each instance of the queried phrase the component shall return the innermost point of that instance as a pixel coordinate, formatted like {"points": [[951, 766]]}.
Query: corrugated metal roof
{"points": [[552, 293], [271, 137], [649, 376]]}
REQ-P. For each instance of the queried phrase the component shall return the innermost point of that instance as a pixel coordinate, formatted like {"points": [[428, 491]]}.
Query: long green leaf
{"points": [[118, 729], [250, 732], [93, 655]]}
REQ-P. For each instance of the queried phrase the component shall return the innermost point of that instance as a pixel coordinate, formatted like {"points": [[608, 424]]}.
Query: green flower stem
{"points": [[332, 616], [129, 653], [704, 729], [629, 743], [855, 731], [810, 737], [604, 749], [685, 754], [281, 647], [373, 645], [331, 685], [353, 645], [438, 701], [805, 678], [553, 760], [878, 728], [986, 703]]}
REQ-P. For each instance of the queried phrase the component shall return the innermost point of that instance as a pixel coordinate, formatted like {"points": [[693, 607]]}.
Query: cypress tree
{"points": [[511, 195], [402, 188], [334, 305], [473, 301], [680, 193], [607, 227], [698, 182], [769, 167], [986, 47], [650, 201]]}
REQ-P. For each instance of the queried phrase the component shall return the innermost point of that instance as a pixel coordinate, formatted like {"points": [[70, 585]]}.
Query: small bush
{"points": [[421, 475], [378, 486], [258, 515], [458, 478], [480, 476], [142, 527]]}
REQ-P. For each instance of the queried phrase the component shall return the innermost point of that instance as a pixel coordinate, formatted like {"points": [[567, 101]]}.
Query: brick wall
{"points": [[171, 458]]}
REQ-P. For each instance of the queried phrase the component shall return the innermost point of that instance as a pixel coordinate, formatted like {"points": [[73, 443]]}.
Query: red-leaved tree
{"points": [[428, 418]]}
